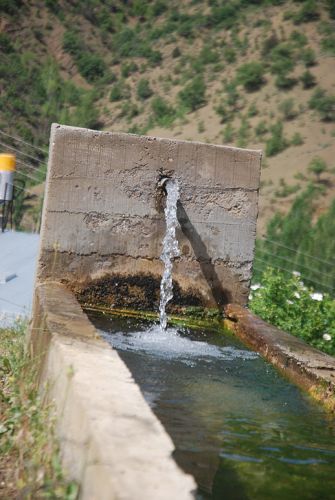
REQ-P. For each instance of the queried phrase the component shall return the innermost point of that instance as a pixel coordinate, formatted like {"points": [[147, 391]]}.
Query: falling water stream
{"points": [[170, 248]]}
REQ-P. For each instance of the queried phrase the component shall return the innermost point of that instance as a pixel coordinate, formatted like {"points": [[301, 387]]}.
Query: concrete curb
{"points": [[110, 440], [309, 368]]}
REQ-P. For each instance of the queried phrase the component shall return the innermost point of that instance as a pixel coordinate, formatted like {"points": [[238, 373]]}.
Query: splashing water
{"points": [[174, 345], [170, 249]]}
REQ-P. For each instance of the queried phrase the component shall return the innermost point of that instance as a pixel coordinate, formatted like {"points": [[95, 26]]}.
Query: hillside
{"points": [[257, 74]]}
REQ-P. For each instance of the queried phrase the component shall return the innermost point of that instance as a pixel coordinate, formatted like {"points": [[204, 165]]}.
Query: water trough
{"points": [[102, 232]]}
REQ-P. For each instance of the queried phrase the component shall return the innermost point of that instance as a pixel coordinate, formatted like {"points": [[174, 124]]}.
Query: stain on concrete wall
{"points": [[103, 220]]}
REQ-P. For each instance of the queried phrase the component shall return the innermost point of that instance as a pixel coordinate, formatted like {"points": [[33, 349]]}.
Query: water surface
{"points": [[241, 429]]}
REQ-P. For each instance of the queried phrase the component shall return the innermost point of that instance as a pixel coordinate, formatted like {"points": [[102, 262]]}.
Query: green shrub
{"points": [[119, 91], [308, 57], [72, 43], [10, 6], [251, 76], [285, 189], [287, 108], [331, 8], [243, 134], [309, 12], [328, 44], [163, 113], [224, 112], [129, 43], [144, 91], [223, 15], [186, 27], [208, 55], [282, 59], [86, 114], [128, 68], [261, 128], [298, 38], [285, 82], [229, 54], [252, 111], [240, 44], [218, 67], [308, 80], [297, 139], [126, 42], [6, 46], [326, 28], [138, 129], [193, 95], [158, 8], [285, 302], [317, 166], [293, 242], [176, 52], [324, 104], [201, 127], [328, 41], [228, 133], [91, 66], [276, 143], [232, 94], [154, 56], [269, 44], [129, 110], [288, 15]]}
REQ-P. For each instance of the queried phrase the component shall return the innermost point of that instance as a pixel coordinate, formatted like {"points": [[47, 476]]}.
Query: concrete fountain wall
{"points": [[103, 221], [102, 231]]}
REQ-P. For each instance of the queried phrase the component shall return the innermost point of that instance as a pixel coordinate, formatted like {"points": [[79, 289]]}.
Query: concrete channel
{"points": [[101, 237]]}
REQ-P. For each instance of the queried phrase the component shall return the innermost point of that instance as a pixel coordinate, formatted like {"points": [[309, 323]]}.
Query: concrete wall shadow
{"points": [[220, 295]]}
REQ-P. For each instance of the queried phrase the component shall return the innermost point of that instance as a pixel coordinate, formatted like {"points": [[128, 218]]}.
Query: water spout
{"points": [[170, 248]]}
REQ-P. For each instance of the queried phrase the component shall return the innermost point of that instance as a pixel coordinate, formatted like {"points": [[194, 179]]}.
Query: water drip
{"points": [[170, 248]]}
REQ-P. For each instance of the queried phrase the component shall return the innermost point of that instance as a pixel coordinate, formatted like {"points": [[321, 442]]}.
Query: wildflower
{"points": [[317, 296], [296, 273], [326, 336], [289, 301], [297, 295], [256, 286]]}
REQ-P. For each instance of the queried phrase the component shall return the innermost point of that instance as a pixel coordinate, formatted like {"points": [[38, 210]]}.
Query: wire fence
{"points": [[18, 139], [314, 272], [276, 243], [20, 152]]}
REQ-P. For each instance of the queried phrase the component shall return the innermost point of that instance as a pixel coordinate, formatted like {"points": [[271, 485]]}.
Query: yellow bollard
{"points": [[7, 170]]}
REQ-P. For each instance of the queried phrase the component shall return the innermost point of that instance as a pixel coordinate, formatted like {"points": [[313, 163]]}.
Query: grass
{"points": [[29, 455]]}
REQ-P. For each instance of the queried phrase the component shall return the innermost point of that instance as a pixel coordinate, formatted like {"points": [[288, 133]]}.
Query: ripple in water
{"points": [[170, 344]]}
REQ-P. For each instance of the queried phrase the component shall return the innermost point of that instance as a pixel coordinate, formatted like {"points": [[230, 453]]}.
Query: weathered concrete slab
{"points": [[309, 368], [111, 442], [103, 215]]}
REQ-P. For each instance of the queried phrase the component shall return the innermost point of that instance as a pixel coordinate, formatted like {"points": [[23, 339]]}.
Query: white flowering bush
{"points": [[288, 304]]}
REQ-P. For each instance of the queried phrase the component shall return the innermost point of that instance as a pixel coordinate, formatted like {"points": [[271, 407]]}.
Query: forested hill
{"points": [[256, 74]]}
